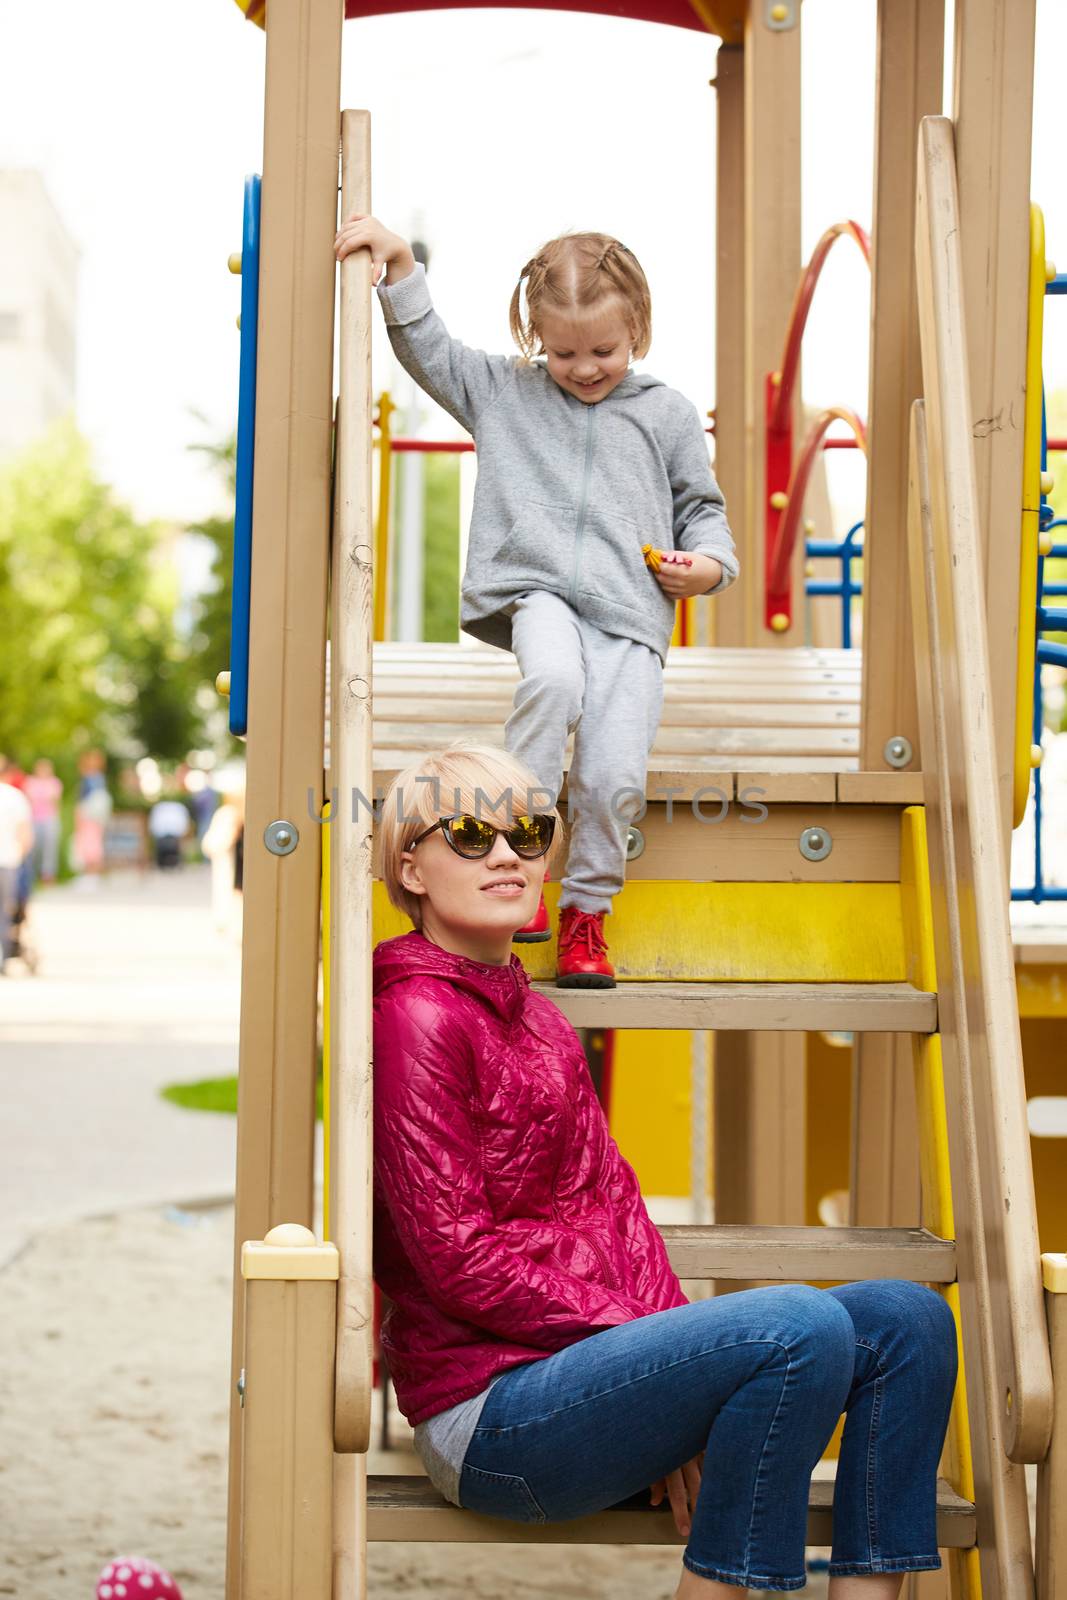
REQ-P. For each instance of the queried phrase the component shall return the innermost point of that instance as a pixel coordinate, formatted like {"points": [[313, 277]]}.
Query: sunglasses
{"points": [[472, 838]]}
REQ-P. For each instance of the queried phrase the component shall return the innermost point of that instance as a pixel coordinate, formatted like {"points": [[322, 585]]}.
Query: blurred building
{"points": [[38, 277]]}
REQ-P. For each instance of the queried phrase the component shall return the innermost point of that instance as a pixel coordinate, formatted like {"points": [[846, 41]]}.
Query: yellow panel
{"points": [[736, 932], [726, 18], [916, 899], [1045, 1066], [1042, 990], [937, 1212], [651, 1102]]}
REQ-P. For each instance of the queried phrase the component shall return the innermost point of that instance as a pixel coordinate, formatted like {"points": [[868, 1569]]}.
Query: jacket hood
{"points": [[412, 955]]}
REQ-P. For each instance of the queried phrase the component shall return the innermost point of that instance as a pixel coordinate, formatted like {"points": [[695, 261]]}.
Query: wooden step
{"points": [[749, 1252], [410, 1510], [764, 1007]]}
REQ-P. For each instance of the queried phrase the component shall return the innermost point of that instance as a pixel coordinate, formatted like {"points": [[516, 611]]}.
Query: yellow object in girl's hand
{"points": [[652, 557]]}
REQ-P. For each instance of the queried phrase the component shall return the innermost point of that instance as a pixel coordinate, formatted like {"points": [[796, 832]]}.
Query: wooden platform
{"points": [[791, 715], [409, 1509], [754, 1253], [769, 1007]]}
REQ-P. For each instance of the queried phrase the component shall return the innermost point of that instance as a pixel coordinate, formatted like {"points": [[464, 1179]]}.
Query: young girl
{"points": [[537, 1337], [581, 463]]}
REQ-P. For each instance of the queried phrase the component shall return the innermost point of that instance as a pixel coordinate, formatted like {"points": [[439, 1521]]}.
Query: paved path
{"points": [[136, 989]]}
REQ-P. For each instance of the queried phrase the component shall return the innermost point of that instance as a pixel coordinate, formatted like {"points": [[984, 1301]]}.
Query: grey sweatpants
{"points": [[608, 691]]}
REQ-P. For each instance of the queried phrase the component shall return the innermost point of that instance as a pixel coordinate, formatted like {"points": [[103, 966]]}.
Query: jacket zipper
{"points": [[609, 1276], [582, 501]]}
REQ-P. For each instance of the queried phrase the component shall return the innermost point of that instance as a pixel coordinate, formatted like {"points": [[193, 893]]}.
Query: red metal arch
{"points": [[724, 18], [783, 488]]}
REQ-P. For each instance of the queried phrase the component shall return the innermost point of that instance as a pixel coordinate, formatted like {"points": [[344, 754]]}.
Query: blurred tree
{"points": [[86, 616], [210, 642], [441, 571]]}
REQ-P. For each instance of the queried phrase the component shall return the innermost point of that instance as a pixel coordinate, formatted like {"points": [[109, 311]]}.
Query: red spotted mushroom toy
{"points": [[134, 1578]]}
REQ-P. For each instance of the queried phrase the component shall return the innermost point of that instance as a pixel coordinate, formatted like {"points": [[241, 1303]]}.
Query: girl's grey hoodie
{"points": [[567, 491]]}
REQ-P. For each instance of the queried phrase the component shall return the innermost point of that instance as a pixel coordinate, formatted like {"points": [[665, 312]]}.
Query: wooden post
{"points": [[1052, 1472], [994, 87], [908, 87], [884, 1186], [352, 775], [772, 265], [729, 610], [884, 1181], [287, 1416], [286, 713], [758, 1127], [758, 1078]]}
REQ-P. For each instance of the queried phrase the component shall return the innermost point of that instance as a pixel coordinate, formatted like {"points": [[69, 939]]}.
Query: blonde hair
{"points": [[577, 273], [473, 778]]}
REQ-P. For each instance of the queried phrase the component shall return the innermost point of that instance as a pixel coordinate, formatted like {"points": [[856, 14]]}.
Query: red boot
{"points": [[537, 930], [581, 961]]}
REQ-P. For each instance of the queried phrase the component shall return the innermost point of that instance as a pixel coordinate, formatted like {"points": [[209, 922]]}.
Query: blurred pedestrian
{"points": [[203, 802], [168, 823], [44, 790], [16, 844], [220, 844], [91, 815]]}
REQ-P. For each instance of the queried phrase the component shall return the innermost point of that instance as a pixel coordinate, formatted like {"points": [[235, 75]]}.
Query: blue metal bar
{"points": [[246, 439], [820, 587], [1046, 653], [1051, 655], [846, 551]]}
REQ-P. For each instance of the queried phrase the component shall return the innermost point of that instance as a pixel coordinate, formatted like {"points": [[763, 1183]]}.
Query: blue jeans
{"points": [[758, 1381]]}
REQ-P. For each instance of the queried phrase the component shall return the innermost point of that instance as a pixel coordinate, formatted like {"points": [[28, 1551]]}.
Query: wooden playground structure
{"points": [[872, 899]]}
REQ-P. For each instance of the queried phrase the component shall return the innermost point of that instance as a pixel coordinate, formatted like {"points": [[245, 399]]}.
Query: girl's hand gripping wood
{"points": [[389, 252]]}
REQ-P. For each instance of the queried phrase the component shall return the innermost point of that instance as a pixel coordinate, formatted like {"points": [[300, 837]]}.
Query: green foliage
{"points": [[440, 592], [218, 1094], [86, 616], [210, 643], [440, 578]]}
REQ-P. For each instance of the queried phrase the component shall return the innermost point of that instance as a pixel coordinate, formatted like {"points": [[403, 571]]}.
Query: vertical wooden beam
{"points": [[993, 100], [759, 1127], [910, 62], [884, 1181], [729, 609], [352, 775], [287, 1478], [286, 713], [772, 264], [758, 1078]]}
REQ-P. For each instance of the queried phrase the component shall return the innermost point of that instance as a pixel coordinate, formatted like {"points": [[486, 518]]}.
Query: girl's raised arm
{"points": [[462, 380]]}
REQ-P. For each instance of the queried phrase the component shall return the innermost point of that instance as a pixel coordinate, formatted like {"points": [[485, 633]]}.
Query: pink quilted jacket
{"points": [[507, 1224]]}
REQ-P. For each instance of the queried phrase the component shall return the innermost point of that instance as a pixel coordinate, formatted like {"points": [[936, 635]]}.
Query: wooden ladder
{"points": [[307, 1506]]}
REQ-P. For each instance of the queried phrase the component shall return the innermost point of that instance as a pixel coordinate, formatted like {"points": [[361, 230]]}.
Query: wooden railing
{"points": [[1005, 1340], [351, 774]]}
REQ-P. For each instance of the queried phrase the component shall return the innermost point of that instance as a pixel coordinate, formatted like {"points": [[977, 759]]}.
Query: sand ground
{"points": [[114, 1371], [115, 1261]]}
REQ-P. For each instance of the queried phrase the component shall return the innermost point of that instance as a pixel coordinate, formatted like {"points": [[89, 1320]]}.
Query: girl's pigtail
{"points": [[522, 329]]}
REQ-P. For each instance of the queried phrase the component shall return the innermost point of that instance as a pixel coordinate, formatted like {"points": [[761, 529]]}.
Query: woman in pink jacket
{"points": [[538, 1340]]}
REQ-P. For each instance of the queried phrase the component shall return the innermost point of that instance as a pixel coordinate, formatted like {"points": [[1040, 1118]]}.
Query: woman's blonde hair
{"points": [[473, 778], [574, 274]]}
